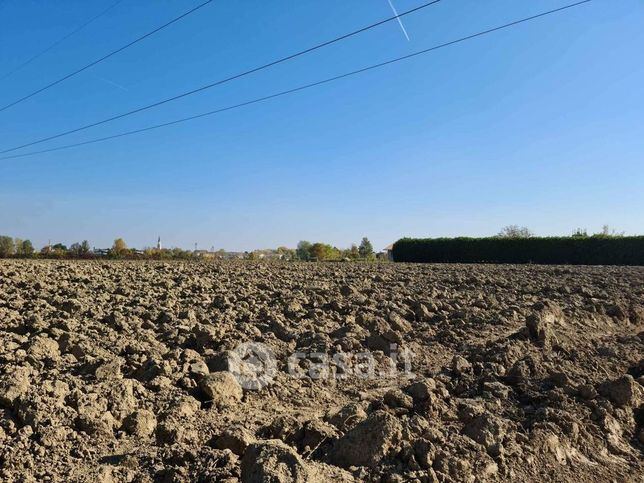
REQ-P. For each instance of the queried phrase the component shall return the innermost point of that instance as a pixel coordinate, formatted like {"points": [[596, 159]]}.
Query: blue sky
{"points": [[540, 125]]}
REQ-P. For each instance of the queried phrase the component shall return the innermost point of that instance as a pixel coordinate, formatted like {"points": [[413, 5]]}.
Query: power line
{"points": [[114, 52], [222, 81], [307, 86], [59, 41]]}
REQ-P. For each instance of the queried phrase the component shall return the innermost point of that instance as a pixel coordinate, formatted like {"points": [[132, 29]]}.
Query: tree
{"points": [[285, 253], [580, 233], [607, 232], [57, 251], [7, 247], [515, 231], [303, 251], [79, 249], [18, 246], [351, 253], [322, 251], [27, 248], [365, 249], [75, 250], [119, 247], [178, 253]]}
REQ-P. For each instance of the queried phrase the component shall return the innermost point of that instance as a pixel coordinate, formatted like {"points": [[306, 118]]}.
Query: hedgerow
{"points": [[593, 250]]}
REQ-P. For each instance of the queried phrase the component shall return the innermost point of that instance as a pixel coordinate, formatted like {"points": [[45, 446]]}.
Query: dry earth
{"points": [[120, 371]]}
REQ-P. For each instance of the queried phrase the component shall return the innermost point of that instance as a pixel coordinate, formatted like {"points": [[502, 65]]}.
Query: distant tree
{"points": [[322, 251], [18, 247], [351, 253], [119, 247], [7, 248], [27, 248], [179, 254], [318, 251], [79, 249], [55, 251], [303, 251], [285, 253], [365, 249], [607, 232], [579, 233], [75, 250], [515, 231]]}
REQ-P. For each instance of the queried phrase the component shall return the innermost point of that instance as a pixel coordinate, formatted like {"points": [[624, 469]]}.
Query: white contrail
{"points": [[398, 18], [112, 83]]}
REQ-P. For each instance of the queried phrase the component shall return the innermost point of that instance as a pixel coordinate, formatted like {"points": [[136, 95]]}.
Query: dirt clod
{"points": [[369, 442], [273, 461], [141, 423], [221, 388]]}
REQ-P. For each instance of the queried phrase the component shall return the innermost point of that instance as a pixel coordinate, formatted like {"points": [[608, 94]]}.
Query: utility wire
{"points": [[98, 61], [60, 41], [307, 86], [222, 81]]}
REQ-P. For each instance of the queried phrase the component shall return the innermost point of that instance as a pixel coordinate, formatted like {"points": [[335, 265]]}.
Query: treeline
{"points": [[579, 249], [307, 251], [18, 248], [318, 251], [15, 247], [120, 251]]}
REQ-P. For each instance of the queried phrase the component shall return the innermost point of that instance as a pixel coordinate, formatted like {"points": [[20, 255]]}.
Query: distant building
{"points": [[159, 247], [388, 252]]}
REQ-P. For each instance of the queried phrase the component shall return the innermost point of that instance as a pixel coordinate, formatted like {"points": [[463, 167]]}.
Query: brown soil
{"points": [[128, 372]]}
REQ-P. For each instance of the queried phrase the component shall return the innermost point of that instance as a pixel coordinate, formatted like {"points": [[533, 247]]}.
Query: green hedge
{"points": [[594, 250]]}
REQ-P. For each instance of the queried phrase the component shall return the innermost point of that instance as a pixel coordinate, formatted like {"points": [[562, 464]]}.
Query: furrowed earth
{"points": [[133, 372]]}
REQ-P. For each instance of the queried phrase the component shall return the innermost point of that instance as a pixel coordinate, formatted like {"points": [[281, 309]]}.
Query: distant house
{"points": [[388, 252]]}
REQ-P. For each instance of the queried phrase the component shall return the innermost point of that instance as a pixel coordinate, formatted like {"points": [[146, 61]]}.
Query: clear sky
{"points": [[541, 125]]}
